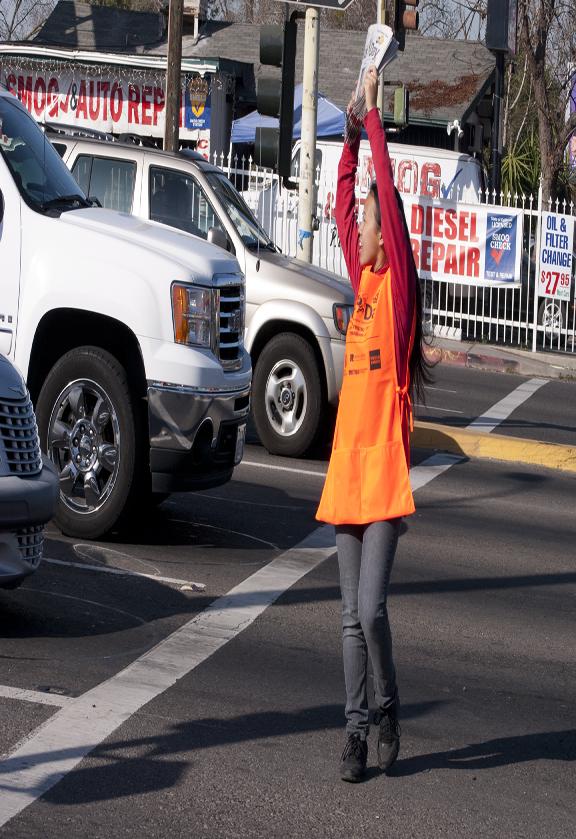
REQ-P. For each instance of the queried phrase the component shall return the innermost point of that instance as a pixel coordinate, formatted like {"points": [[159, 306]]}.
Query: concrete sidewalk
{"points": [[503, 359]]}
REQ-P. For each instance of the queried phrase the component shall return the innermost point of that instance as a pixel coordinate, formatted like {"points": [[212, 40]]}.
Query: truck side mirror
{"points": [[1, 207], [217, 237]]}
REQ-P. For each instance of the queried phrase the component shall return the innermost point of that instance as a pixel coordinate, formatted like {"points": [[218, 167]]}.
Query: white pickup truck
{"points": [[129, 335]]}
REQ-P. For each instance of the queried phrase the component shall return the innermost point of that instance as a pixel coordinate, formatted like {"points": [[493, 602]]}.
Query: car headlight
{"points": [[342, 314], [192, 313]]}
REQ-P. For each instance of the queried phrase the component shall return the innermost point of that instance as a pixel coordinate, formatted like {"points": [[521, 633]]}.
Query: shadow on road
{"points": [[503, 751], [148, 764]]}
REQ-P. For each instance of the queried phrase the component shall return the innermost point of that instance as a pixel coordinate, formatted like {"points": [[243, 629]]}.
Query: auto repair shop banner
{"points": [[465, 243], [117, 104], [555, 257]]}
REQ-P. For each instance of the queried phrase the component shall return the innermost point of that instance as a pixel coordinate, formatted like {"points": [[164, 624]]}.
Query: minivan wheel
{"points": [[287, 396], [87, 427], [550, 315]]}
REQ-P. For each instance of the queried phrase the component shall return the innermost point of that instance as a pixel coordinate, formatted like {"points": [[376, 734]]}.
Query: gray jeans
{"points": [[365, 557]]}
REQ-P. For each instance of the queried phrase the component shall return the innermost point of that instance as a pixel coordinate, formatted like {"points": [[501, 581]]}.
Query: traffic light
{"points": [[405, 18], [275, 97], [502, 26]]}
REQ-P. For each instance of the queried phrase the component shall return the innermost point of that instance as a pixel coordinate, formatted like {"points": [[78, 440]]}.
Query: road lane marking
{"points": [[442, 389], [73, 732], [124, 572], [282, 468], [499, 412], [434, 408], [231, 500], [431, 468], [37, 696]]}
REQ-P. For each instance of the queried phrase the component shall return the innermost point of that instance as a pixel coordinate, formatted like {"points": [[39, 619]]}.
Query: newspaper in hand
{"points": [[380, 49]]}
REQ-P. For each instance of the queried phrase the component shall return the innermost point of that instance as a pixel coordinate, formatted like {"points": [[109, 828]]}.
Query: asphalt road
{"points": [[458, 395], [245, 742]]}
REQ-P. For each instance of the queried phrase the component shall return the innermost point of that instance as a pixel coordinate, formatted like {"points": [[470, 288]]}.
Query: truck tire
{"points": [[89, 430], [287, 396]]}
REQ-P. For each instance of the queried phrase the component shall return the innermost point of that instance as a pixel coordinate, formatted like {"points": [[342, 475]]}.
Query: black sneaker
{"points": [[354, 757], [388, 737]]}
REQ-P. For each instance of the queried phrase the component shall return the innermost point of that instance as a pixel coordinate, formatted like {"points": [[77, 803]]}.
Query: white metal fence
{"points": [[514, 316]]}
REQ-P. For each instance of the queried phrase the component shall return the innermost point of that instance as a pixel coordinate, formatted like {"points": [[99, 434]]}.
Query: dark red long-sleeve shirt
{"points": [[396, 243]]}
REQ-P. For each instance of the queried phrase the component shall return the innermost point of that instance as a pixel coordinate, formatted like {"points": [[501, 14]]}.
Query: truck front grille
{"points": [[30, 544], [19, 437], [231, 315]]}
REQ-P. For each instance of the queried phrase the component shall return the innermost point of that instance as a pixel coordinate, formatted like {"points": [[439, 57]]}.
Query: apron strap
{"points": [[406, 405], [404, 392]]}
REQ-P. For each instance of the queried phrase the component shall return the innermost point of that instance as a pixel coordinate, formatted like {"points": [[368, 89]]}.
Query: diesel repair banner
{"points": [[465, 243]]}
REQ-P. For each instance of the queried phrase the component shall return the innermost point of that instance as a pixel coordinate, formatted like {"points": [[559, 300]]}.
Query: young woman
{"points": [[367, 489]]}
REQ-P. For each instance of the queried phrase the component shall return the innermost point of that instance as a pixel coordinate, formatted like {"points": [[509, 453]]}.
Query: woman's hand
{"points": [[353, 123], [371, 87]]}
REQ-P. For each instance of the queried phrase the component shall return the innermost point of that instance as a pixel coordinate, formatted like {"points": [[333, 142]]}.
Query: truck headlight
{"points": [[192, 313], [342, 315]]}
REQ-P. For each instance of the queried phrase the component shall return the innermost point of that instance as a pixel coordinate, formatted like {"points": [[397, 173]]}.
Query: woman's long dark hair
{"points": [[420, 367]]}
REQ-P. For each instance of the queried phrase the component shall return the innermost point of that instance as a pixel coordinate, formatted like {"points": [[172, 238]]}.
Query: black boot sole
{"points": [[385, 762], [350, 778]]}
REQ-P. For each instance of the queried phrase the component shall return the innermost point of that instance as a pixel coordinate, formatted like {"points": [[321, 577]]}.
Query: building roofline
{"points": [[148, 62]]}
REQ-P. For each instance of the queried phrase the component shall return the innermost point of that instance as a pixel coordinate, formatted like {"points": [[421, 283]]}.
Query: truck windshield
{"points": [[239, 213], [38, 170]]}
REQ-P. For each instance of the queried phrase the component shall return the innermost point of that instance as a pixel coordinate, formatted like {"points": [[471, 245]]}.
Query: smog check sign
{"points": [[464, 243], [556, 256]]}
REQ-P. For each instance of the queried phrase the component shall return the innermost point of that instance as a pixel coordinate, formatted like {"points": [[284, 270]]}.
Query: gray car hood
{"points": [[327, 288]]}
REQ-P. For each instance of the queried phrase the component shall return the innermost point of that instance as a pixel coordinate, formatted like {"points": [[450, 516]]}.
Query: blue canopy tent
{"points": [[330, 120]]}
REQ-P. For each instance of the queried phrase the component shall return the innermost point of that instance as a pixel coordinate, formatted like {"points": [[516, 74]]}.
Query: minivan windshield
{"points": [[239, 213], [38, 170]]}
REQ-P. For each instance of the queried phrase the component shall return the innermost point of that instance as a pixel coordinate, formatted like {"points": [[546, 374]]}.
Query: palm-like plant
{"points": [[521, 167]]}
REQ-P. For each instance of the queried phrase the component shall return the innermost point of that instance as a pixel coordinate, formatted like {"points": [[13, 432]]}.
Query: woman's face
{"points": [[371, 243]]}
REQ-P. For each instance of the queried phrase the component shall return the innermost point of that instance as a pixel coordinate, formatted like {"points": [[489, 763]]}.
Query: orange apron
{"points": [[368, 476]]}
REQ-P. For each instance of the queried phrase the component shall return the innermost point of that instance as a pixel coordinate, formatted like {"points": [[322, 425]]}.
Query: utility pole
{"points": [[501, 38], [173, 76], [497, 123], [307, 185]]}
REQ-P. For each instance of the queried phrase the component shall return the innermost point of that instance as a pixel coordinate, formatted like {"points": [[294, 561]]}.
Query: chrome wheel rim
{"points": [[84, 444], [286, 398], [552, 317]]}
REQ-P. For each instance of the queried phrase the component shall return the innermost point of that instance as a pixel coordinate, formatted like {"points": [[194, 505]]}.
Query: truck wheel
{"points": [[88, 429], [287, 396]]}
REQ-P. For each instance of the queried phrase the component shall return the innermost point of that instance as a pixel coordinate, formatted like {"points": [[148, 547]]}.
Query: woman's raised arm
{"points": [[396, 243], [345, 211]]}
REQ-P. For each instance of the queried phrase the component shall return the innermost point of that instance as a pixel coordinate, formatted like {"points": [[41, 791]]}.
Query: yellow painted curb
{"points": [[430, 435]]}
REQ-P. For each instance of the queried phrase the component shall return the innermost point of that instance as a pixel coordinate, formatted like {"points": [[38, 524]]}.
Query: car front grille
{"points": [[30, 544], [231, 336], [19, 443]]}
